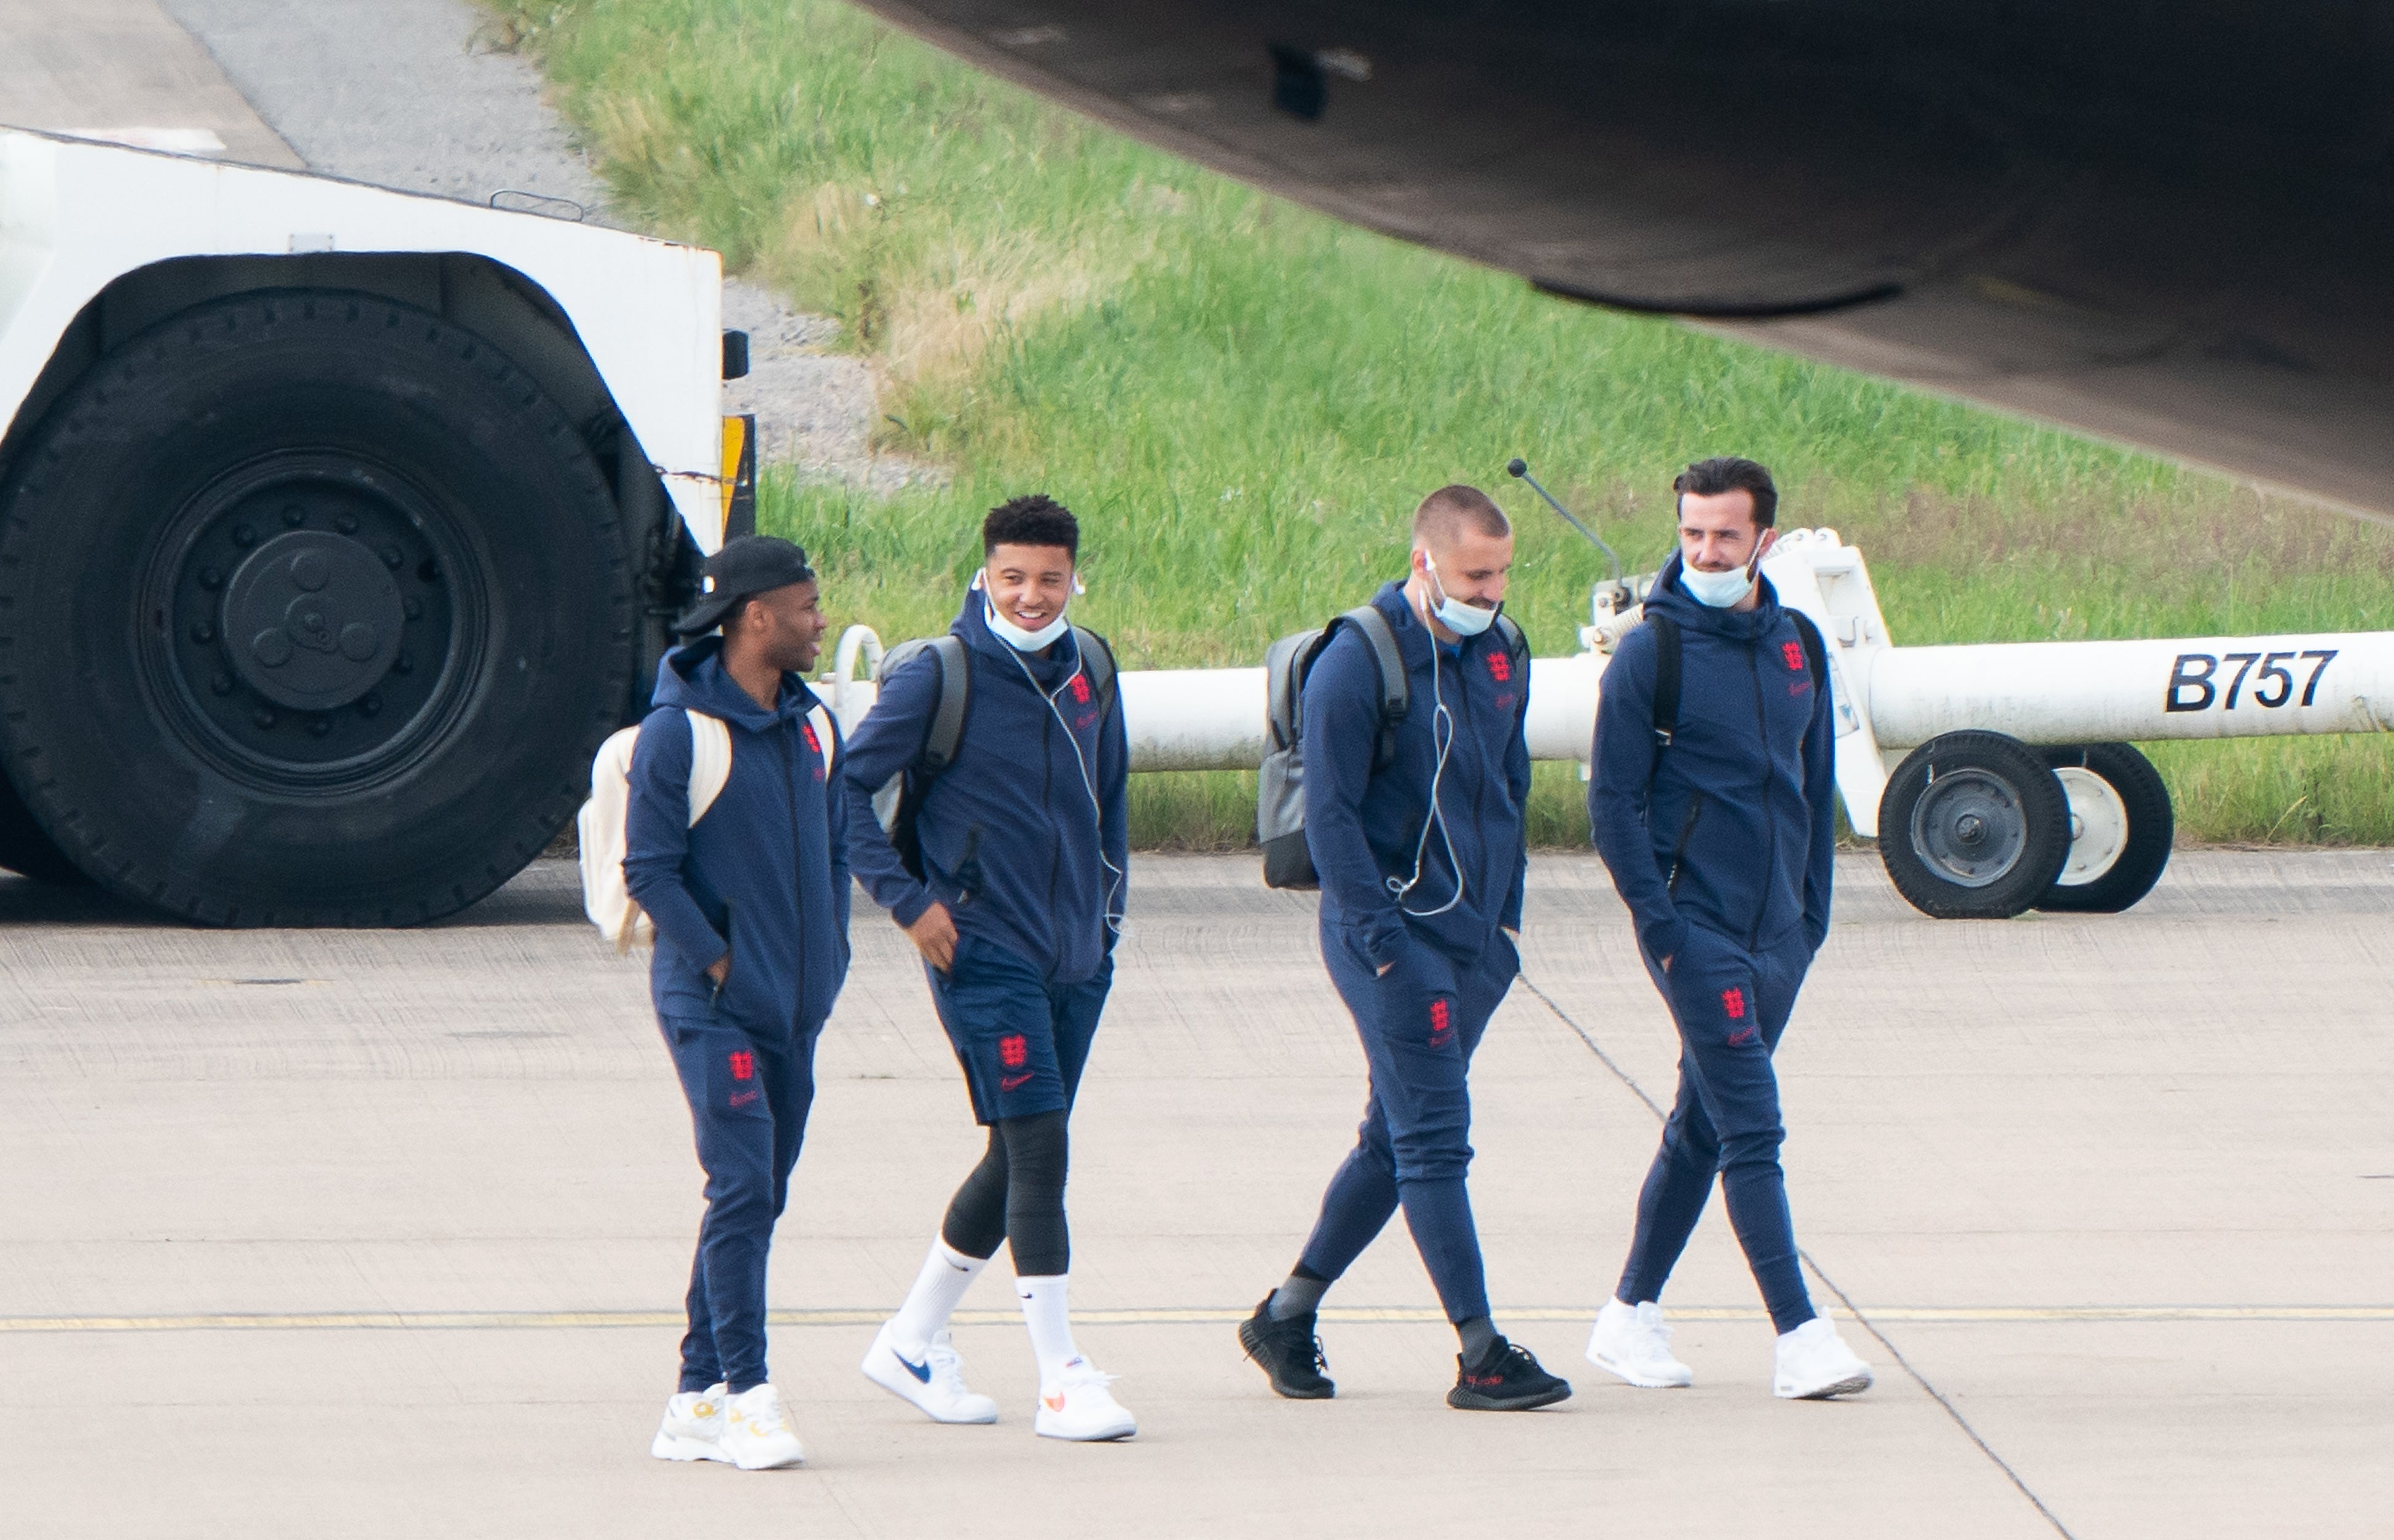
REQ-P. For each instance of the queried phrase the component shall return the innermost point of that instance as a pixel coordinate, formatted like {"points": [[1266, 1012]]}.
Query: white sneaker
{"points": [[1631, 1343], [933, 1379], [1078, 1406], [756, 1433], [693, 1427], [1815, 1364]]}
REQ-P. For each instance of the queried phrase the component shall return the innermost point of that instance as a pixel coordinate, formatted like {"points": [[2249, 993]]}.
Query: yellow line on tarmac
{"points": [[450, 1321]]}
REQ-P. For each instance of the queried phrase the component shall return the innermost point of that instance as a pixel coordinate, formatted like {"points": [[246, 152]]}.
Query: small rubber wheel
{"points": [[1973, 826], [2120, 828], [313, 608]]}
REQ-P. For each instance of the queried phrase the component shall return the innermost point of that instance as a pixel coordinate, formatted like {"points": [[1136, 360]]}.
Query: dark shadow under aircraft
{"points": [[2167, 224]]}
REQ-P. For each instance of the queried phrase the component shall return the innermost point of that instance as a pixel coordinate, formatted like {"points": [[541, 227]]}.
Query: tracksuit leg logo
{"points": [[1733, 1006], [1013, 1053], [743, 1069], [1441, 1023]]}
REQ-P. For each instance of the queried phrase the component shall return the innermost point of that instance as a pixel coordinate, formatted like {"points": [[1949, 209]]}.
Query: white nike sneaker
{"points": [[1815, 1364], [1078, 1406], [693, 1426], [1632, 1343], [932, 1379], [756, 1433]]}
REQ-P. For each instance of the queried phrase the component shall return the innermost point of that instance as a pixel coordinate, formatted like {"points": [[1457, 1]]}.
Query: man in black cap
{"points": [[750, 904]]}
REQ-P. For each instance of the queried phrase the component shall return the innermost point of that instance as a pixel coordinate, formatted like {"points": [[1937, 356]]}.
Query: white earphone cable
{"points": [[1441, 733], [1114, 913]]}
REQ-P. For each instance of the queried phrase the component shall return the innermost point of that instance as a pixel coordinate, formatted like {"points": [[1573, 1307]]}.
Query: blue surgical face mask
{"points": [[1464, 620], [1022, 641], [1720, 590], [1015, 635]]}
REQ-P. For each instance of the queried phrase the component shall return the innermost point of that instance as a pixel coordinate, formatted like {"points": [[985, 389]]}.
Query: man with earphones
{"points": [[1713, 802], [1024, 841], [1417, 833]]}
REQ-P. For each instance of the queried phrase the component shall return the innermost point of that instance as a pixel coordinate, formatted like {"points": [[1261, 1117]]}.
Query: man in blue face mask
{"points": [[1718, 829], [1024, 839], [1417, 833]]}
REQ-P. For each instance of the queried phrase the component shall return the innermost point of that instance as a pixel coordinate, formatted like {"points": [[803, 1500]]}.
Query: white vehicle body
{"points": [[341, 524], [77, 215]]}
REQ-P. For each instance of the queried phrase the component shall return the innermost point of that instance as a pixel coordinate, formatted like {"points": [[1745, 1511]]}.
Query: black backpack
{"points": [[1280, 788], [898, 803], [1666, 668]]}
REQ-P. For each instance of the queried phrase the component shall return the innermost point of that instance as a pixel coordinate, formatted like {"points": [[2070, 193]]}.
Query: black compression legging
{"points": [[1017, 1194]]}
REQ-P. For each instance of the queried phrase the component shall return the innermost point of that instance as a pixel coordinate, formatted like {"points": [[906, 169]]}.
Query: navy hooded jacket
{"points": [[1042, 806], [762, 877], [1363, 827], [1733, 825]]}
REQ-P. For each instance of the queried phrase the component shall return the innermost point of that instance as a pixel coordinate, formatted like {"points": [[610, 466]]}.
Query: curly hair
{"points": [[1037, 519]]}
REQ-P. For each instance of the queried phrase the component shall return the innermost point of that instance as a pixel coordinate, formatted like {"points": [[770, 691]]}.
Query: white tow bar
{"points": [[2019, 789]]}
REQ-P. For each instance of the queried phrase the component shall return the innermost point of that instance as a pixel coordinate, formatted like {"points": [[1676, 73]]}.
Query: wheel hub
{"points": [[313, 620], [1969, 827], [2099, 825]]}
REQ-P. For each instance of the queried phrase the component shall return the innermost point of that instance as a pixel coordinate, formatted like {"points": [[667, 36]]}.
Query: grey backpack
{"points": [[1280, 789]]}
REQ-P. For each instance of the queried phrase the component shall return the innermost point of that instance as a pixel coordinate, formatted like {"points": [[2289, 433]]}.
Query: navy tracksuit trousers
{"points": [[749, 1096], [1420, 1023], [1022, 1041], [1730, 1005]]}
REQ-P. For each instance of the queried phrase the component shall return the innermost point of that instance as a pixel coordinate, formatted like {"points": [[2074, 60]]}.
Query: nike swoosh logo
{"points": [[922, 1372], [1013, 1082]]}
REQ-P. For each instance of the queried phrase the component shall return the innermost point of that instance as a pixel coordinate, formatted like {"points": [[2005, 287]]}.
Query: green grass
{"points": [[1243, 400]]}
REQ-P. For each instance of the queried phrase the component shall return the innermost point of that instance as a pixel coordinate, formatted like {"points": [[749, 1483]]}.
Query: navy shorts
{"points": [[1021, 1040]]}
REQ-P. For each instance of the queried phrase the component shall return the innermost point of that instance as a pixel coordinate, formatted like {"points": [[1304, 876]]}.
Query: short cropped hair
{"points": [[1729, 473], [1447, 512], [1037, 519]]}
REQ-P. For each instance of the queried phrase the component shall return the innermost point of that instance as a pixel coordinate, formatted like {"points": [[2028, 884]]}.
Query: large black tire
{"points": [[1973, 826], [26, 848], [2121, 841], [313, 608]]}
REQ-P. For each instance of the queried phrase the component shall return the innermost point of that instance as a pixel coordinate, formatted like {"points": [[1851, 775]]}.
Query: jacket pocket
{"points": [[1686, 832]]}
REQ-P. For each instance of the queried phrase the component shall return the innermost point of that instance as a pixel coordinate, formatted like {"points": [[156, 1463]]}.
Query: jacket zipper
{"points": [[1687, 828], [1769, 822], [797, 886], [715, 998], [1047, 800]]}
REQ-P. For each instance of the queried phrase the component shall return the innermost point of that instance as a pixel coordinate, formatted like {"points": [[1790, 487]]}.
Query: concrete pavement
{"points": [[383, 1233], [101, 65]]}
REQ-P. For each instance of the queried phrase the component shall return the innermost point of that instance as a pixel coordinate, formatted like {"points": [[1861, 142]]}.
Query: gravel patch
{"points": [[403, 94]]}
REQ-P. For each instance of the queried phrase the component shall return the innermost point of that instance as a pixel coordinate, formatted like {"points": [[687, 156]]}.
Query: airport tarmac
{"points": [[384, 1233]]}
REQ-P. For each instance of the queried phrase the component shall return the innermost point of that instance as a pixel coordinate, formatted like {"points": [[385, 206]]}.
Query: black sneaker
{"points": [[1289, 1352], [1507, 1379]]}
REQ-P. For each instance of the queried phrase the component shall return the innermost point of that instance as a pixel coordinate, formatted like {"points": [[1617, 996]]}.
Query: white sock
{"points": [[946, 1274], [1045, 1310]]}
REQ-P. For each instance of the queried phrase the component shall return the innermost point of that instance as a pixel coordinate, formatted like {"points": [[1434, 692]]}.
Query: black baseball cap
{"points": [[751, 565]]}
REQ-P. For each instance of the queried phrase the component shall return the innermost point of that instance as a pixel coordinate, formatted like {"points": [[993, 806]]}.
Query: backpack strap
{"points": [[710, 761], [1097, 663], [1667, 678], [1396, 690], [946, 734]]}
